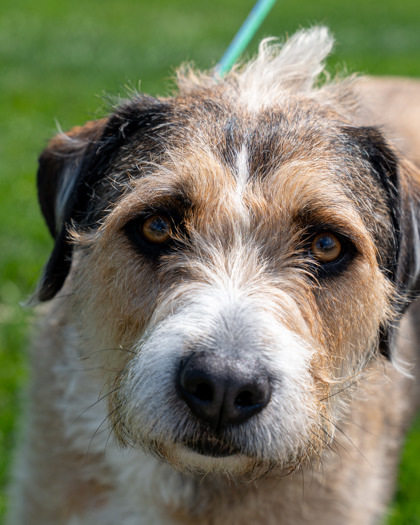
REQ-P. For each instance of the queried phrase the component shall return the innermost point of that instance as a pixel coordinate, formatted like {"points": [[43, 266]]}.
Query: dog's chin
{"points": [[214, 448], [206, 459]]}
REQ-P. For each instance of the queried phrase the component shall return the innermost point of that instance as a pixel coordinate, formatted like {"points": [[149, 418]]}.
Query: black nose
{"points": [[223, 393]]}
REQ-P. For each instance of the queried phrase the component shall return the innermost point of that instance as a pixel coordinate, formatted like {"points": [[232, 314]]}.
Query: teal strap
{"points": [[244, 35]]}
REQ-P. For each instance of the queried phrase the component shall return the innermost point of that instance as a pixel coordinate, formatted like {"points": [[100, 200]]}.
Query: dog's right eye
{"points": [[156, 229], [326, 247], [151, 234], [330, 251]]}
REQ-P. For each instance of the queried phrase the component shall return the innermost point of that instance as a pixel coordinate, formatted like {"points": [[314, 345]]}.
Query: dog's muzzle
{"points": [[216, 381]]}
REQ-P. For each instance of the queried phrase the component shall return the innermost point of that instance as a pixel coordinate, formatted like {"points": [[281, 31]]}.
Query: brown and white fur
{"points": [[246, 170]]}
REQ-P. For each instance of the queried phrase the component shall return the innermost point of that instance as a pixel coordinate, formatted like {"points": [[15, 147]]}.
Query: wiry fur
{"points": [[248, 169]]}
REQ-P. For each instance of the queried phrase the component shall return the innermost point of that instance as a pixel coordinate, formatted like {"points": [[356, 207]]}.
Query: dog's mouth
{"points": [[212, 447]]}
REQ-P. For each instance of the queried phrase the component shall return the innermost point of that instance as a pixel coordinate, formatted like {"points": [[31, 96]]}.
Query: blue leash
{"points": [[244, 35]]}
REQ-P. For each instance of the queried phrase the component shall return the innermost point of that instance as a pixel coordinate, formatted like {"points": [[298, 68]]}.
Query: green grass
{"points": [[58, 59]]}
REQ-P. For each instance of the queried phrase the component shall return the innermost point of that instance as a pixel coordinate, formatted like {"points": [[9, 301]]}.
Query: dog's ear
{"points": [[406, 270], [408, 263], [400, 180], [59, 165], [60, 175], [74, 163]]}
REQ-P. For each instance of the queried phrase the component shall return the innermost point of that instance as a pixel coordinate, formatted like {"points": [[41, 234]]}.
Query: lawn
{"points": [[59, 60]]}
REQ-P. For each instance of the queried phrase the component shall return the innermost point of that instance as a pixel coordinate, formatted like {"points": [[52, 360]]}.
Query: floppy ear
{"points": [[60, 174], [73, 164], [400, 180], [407, 268], [407, 275]]}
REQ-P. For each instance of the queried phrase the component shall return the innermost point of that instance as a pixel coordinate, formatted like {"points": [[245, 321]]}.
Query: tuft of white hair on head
{"points": [[295, 65]]}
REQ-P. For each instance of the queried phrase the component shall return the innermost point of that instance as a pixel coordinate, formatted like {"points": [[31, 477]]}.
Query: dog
{"points": [[228, 327]]}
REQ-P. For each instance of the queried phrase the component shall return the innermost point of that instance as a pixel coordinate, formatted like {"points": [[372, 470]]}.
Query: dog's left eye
{"points": [[156, 229], [326, 247]]}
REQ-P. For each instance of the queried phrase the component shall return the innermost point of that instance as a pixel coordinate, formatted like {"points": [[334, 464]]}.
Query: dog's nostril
{"points": [[202, 391], [222, 394], [195, 382], [245, 399]]}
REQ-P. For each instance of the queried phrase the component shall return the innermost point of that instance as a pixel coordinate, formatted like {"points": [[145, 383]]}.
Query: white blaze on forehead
{"points": [[242, 177], [242, 168], [240, 174]]}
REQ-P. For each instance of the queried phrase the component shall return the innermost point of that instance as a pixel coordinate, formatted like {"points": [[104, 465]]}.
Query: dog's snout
{"points": [[222, 393]]}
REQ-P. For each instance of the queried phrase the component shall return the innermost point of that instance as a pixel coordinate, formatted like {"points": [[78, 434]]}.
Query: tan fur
{"points": [[109, 438]]}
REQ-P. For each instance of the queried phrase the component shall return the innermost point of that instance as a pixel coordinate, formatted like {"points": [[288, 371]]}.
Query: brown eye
{"points": [[326, 247], [156, 229]]}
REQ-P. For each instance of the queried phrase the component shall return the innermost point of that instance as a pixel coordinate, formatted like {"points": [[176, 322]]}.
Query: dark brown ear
{"points": [[59, 164], [407, 275], [401, 183], [59, 176], [73, 165], [407, 268]]}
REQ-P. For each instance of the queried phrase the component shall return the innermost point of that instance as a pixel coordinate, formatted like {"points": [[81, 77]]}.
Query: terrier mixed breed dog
{"points": [[224, 339]]}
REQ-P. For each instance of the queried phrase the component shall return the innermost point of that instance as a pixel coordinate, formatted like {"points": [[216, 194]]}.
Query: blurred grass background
{"points": [[58, 60]]}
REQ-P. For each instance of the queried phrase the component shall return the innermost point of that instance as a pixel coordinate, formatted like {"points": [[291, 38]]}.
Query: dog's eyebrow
{"points": [[175, 201], [342, 223]]}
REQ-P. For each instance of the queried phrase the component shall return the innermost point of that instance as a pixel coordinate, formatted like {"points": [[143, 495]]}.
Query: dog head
{"points": [[241, 251]]}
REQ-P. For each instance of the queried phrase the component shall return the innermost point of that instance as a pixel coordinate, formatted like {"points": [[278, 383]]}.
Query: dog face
{"points": [[236, 256]]}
